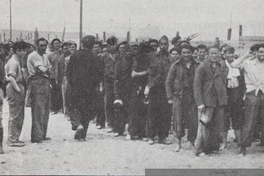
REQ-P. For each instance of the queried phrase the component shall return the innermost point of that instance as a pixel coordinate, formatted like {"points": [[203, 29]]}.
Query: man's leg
{"points": [[252, 104], [100, 115], [40, 109], [108, 104], [261, 115], [192, 116], [153, 115], [165, 114], [134, 118], [16, 118], [178, 127], [1, 125]]}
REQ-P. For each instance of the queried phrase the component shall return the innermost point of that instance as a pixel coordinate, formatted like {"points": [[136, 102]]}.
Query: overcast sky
{"points": [[210, 18]]}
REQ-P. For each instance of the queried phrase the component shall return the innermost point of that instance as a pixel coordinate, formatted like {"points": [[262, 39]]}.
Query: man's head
{"points": [[213, 53], [175, 52], [154, 44], [186, 52], [97, 47], [254, 49], [202, 51], [223, 49], [230, 54], [72, 46], [56, 44], [111, 41], [88, 42], [122, 47], [260, 53], [105, 49], [41, 45], [20, 49], [164, 43], [134, 49], [64, 47]]}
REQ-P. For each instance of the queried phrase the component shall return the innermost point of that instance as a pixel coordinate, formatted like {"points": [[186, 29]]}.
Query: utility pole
{"points": [[81, 8], [10, 20]]}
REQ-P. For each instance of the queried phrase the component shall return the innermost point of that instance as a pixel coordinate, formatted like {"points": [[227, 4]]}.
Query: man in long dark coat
{"points": [[82, 74]]}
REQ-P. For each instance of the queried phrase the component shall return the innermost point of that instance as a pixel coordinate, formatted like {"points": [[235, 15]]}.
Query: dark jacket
{"points": [[82, 74], [174, 81], [158, 70], [122, 78], [209, 87]]}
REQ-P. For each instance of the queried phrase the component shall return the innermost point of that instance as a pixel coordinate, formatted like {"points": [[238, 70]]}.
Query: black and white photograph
{"points": [[132, 87]]}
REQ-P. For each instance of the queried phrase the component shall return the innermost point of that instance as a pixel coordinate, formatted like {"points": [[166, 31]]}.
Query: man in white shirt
{"points": [[254, 102]]}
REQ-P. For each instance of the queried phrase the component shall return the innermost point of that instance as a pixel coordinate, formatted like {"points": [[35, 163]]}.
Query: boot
{"points": [[238, 136], [224, 137], [178, 144], [1, 140]]}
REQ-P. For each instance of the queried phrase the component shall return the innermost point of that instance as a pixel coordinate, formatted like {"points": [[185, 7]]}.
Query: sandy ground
{"points": [[104, 154]]}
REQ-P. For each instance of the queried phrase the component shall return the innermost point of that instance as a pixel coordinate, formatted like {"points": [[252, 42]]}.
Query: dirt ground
{"points": [[104, 154]]}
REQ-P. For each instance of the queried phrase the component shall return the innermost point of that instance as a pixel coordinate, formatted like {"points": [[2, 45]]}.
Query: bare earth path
{"points": [[104, 154]]}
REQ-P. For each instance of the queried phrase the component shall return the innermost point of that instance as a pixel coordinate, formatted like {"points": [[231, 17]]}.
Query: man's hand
{"points": [[118, 101], [146, 92], [201, 107], [170, 101]]}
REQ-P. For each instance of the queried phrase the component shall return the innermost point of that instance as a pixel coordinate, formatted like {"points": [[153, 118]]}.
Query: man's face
{"points": [[175, 54], [260, 54], [65, 48], [164, 45], [213, 54], [223, 51], [230, 56], [122, 49], [154, 46], [56, 45], [72, 48], [96, 49], [21, 53], [105, 50], [134, 50], [42, 46], [202, 53], [186, 54]]}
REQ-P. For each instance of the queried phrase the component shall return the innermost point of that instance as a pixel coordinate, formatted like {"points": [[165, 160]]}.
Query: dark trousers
{"points": [[40, 104], [56, 96], [109, 99], [159, 113], [254, 108], [100, 114], [138, 113], [16, 103], [185, 113], [234, 111], [1, 107], [208, 137], [82, 112]]}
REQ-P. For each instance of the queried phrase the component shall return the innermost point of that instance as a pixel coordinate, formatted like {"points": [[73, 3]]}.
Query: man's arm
{"points": [[11, 75], [169, 82], [197, 86], [116, 80], [238, 63]]}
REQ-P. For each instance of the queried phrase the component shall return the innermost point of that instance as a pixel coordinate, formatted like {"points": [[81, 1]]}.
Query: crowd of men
{"points": [[202, 90]]}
